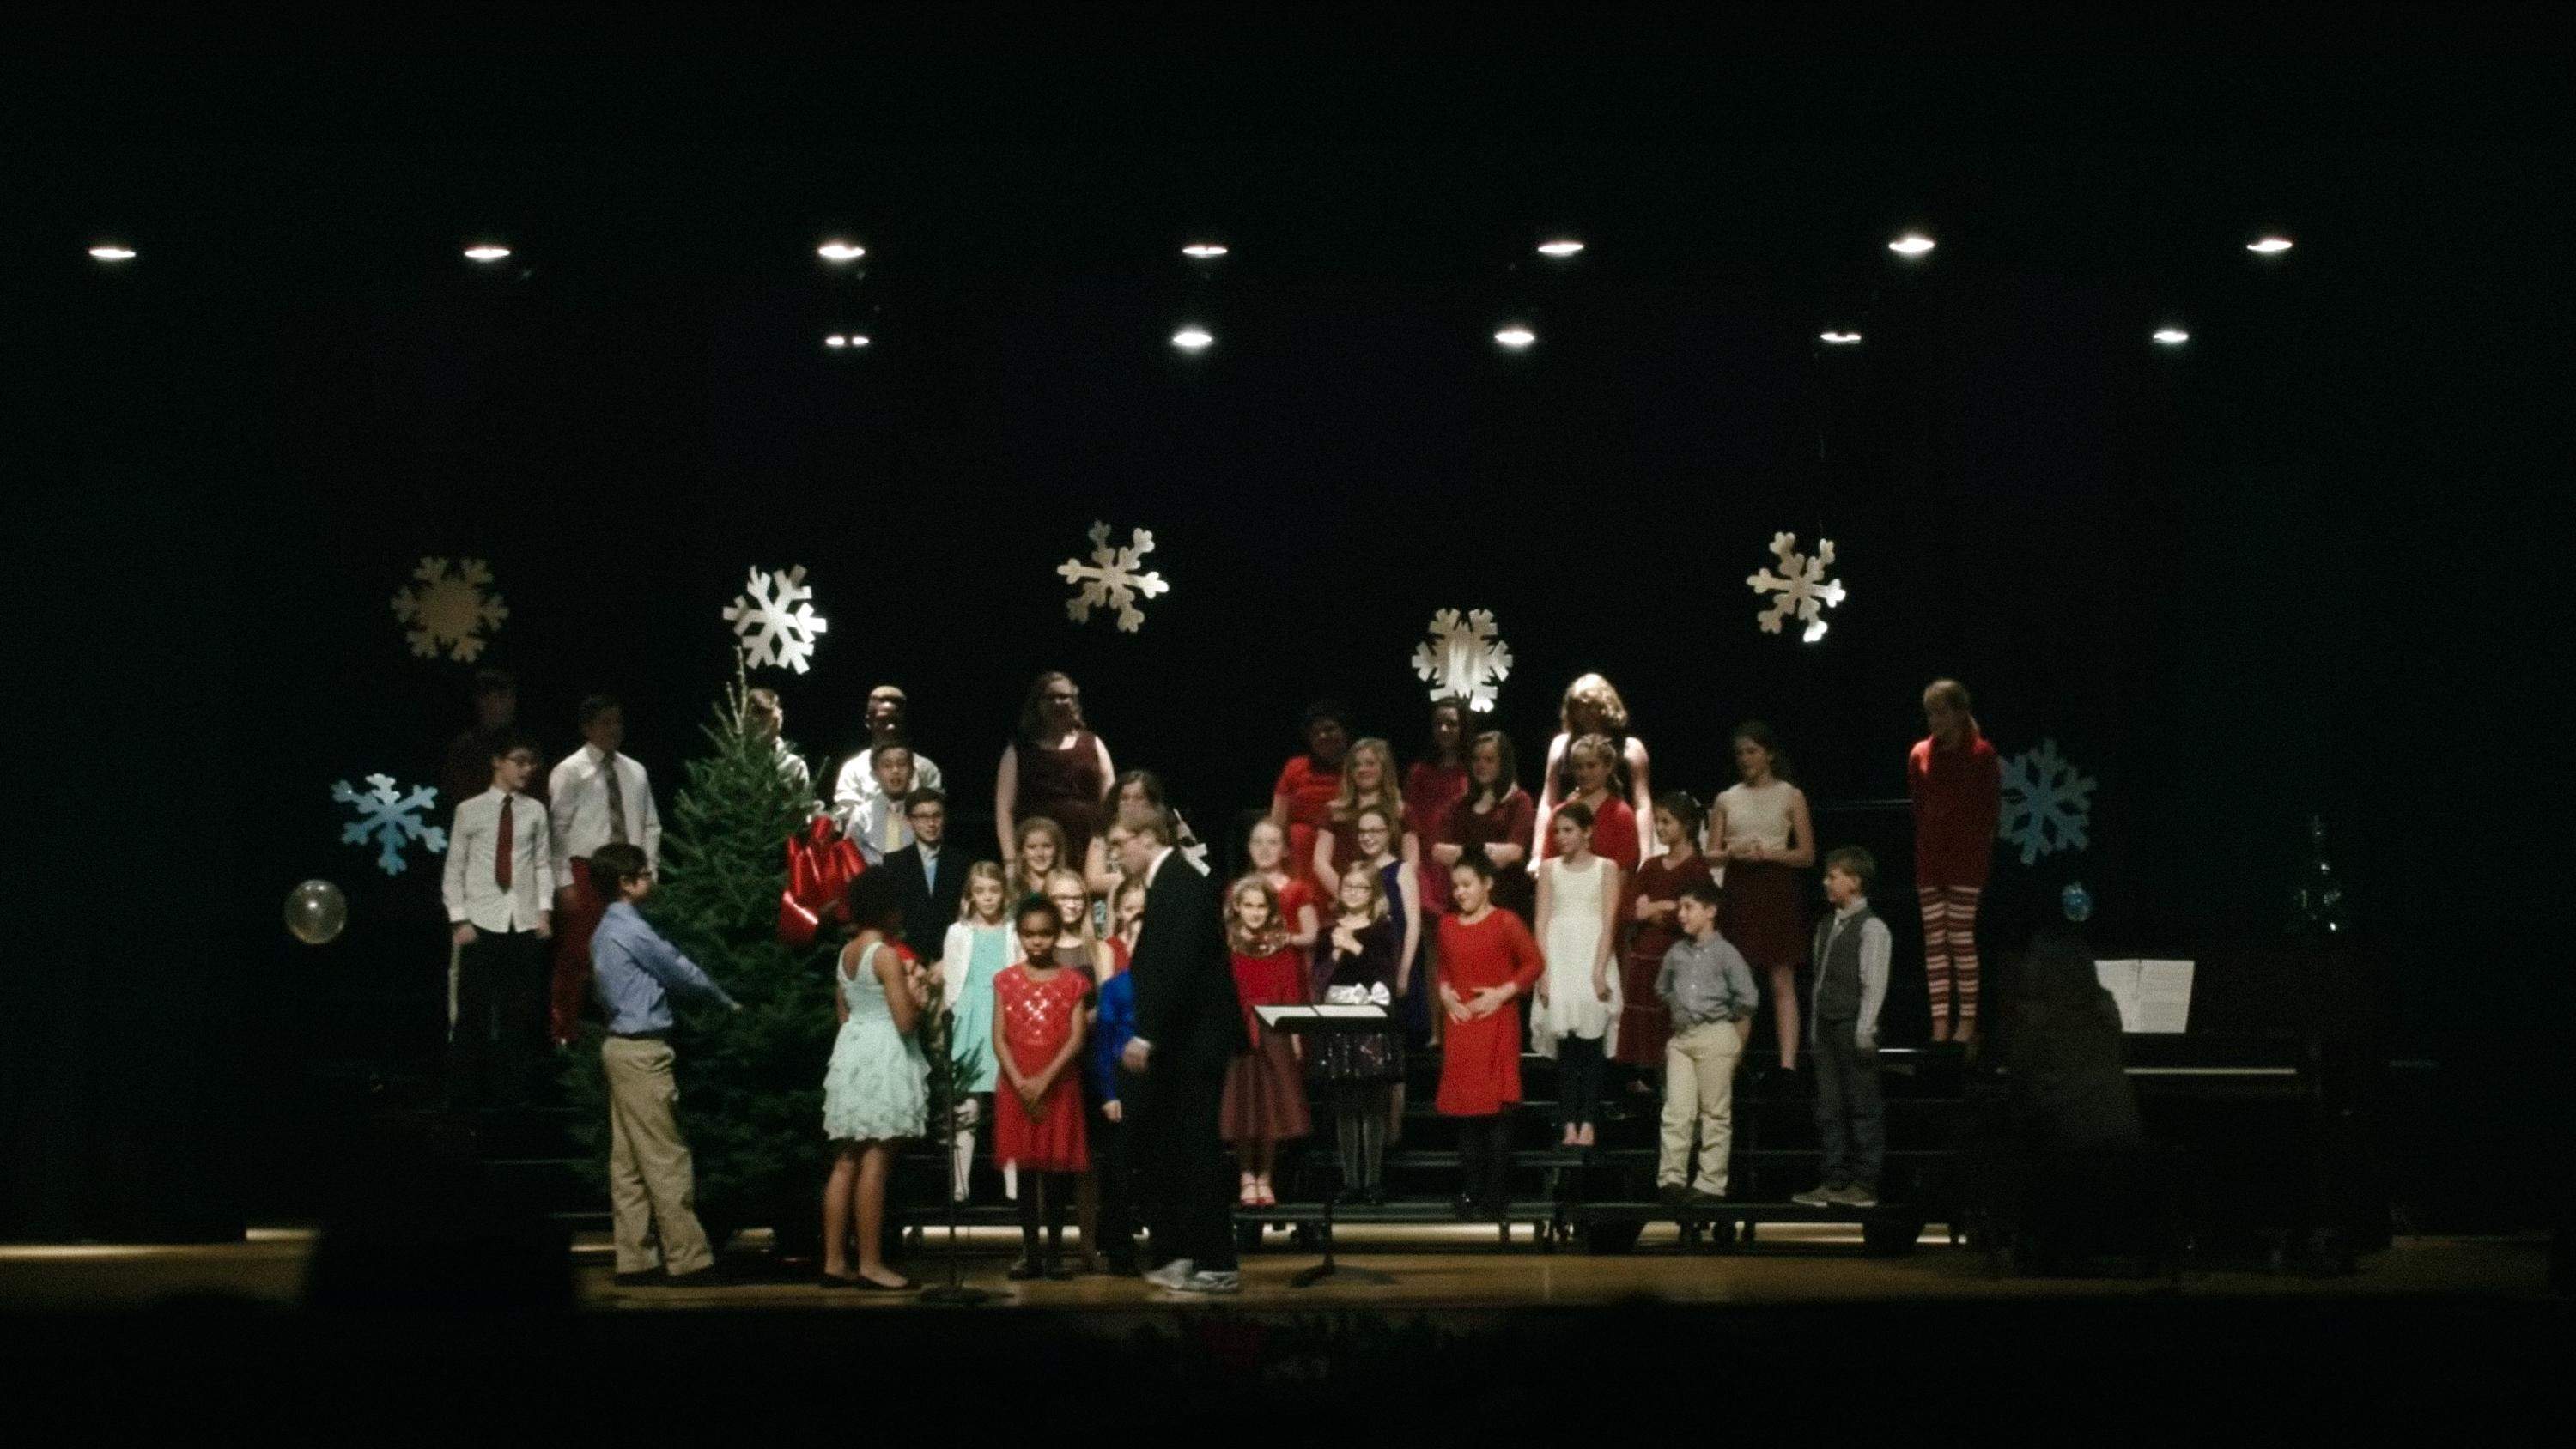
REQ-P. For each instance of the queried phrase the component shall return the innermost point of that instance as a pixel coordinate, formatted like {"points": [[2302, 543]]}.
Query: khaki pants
{"points": [[652, 1191], [1699, 1089]]}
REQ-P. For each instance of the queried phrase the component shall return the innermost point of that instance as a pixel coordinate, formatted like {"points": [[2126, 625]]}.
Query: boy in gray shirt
{"points": [[1709, 989], [1852, 947]]}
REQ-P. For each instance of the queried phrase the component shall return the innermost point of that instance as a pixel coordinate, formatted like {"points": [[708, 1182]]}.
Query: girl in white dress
{"points": [[1574, 1016]]}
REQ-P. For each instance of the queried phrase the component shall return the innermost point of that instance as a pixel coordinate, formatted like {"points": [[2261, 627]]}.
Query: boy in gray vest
{"points": [[1852, 948]]}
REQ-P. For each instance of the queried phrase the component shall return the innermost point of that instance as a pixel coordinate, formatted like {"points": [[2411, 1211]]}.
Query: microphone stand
{"points": [[954, 1293]]}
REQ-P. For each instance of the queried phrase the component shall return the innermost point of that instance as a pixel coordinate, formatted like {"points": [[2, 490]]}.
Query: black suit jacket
{"points": [[1186, 1004], [928, 910]]}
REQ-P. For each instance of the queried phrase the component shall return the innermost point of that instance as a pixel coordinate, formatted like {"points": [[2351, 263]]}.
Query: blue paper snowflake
{"points": [[390, 819], [2048, 803]]}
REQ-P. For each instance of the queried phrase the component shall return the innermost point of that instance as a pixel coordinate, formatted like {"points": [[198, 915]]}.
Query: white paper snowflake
{"points": [[1111, 578], [1463, 661], [450, 609], [1800, 584], [2048, 804], [771, 632], [390, 819]]}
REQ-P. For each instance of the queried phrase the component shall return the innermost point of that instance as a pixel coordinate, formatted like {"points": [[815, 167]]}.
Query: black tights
{"points": [[1044, 1194], [1359, 1131], [1485, 1160]]}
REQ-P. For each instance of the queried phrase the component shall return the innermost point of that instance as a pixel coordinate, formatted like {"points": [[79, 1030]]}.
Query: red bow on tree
{"points": [[820, 866]]}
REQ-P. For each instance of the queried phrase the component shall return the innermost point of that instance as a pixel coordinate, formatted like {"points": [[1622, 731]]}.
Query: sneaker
{"points": [[1822, 1195], [1212, 1281], [1171, 1275], [1857, 1196]]}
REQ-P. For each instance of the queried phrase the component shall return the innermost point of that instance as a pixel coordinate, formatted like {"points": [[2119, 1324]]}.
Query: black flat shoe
{"points": [[873, 1286], [835, 1280]]}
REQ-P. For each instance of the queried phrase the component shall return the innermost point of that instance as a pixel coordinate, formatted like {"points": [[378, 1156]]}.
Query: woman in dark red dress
{"points": [[1055, 767], [1488, 963], [1654, 898], [1491, 822], [1303, 799]]}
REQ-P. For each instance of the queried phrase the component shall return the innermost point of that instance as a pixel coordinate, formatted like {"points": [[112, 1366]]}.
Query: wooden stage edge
{"points": [[1434, 1272]]}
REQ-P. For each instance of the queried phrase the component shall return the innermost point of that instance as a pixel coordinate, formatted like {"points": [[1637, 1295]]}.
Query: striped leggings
{"points": [[1950, 948]]}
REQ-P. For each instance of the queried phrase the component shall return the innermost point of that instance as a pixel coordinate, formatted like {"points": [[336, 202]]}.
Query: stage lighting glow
{"points": [[846, 339], [109, 252], [1516, 336], [486, 252], [1840, 339], [1204, 251], [2172, 336], [1912, 244], [840, 251], [836, 340], [1191, 339], [2269, 246], [1561, 247]]}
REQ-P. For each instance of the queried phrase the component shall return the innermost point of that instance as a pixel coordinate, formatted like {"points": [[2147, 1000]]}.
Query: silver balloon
{"points": [[315, 912]]}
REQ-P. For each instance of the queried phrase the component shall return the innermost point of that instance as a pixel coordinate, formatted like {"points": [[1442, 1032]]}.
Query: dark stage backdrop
{"points": [[2195, 570]]}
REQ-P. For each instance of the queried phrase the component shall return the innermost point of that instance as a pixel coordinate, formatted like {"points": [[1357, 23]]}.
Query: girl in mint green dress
{"points": [[978, 945]]}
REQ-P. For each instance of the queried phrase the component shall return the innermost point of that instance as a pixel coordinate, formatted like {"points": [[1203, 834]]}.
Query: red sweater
{"points": [[1958, 799]]}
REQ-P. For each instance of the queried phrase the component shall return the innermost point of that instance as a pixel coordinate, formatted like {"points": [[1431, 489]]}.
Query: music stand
{"points": [[1322, 1021]]}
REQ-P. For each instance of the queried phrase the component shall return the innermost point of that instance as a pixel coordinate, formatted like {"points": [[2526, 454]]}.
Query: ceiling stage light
{"points": [[1191, 339], [1840, 339], [840, 251], [1204, 251], [1515, 336], [110, 252], [2269, 246], [486, 252], [846, 339], [2172, 336], [1562, 247], [1912, 244]]}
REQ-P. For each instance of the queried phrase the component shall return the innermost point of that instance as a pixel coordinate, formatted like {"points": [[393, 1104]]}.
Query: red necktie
{"points": [[501, 854]]}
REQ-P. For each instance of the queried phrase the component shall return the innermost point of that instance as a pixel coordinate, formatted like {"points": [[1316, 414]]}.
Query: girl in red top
{"points": [[1492, 821], [1654, 899], [1298, 893], [1038, 1123], [1488, 961], [1431, 786], [1265, 1093], [1957, 787], [1614, 824], [1307, 784]]}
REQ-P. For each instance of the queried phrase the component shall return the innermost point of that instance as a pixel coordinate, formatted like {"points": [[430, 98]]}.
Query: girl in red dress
{"points": [[1654, 901], [1368, 783], [1592, 707], [1491, 821], [1265, 1090], [1307, 784], [1298, 894], [1038, 1122], [1614, 825], [1487, 962], [1431, 786], [1956, 785]]}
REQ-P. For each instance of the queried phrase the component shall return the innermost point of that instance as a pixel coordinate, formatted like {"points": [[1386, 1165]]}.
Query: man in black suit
{"points": [[1189, 1025], [929, 876]]}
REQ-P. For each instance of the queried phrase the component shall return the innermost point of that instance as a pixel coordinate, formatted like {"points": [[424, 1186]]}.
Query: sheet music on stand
{"points": [[1329, 1020], [2153, 996], [1277, 1016]]}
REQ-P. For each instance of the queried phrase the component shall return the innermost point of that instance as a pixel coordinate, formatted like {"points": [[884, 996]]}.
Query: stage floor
{"points": [[1442, 1272]]}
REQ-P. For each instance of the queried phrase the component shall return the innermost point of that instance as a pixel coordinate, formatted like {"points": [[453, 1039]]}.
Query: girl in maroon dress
{"points": [[1654, 900], [1488, 961], [1299, 899], [1265, 1089], [1614, 825], [1368, 783], [1491, 822], [1055, 767], [1303, 798], [1760, 835], [1038, 1122], [1431, 785], [1956, 785], [1592, 707]]}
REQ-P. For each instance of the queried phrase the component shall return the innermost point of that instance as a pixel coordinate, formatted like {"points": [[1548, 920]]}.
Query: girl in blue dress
{"points": [[876, 1090], [979, 944]]}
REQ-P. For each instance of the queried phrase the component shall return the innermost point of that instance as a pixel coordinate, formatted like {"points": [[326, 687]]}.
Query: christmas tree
{"points": [[751, 1094]]}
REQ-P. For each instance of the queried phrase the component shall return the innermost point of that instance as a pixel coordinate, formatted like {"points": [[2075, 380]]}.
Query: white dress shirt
{"points": [[579, 789], [474, 897], [857, 782], [880, 827]]}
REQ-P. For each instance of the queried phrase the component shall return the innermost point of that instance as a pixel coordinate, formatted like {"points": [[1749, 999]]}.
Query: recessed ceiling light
{"points": [[1205, 250], [1843, 339], [1912, 244], [840, 251], [846, 339], [110, 252], [2269, 246], [1191, 339], [836, 340], [487, 252], [1515, 335], [1561, 247], [2172, 336]]}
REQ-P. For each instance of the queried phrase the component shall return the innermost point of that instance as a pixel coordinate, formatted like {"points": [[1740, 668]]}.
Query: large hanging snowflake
{"points": [[1111, 578], [2048, 804], [450, 610], [1464, 661], [390, 819], [1800, 584], [771, 632]]}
